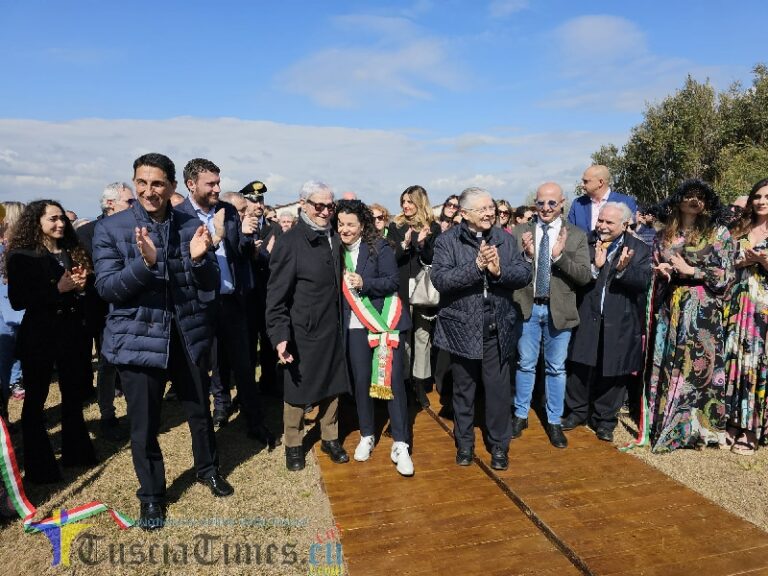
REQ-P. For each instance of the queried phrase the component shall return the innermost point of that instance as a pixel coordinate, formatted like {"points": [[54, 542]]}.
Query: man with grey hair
{"points": [[304, 323], [476, 268], [596, 184], [115, 198], [607, 345]]}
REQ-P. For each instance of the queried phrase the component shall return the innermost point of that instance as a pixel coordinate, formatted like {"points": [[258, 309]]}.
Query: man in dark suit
{"points": [[596, 183], [233, 242], [154, 266], [607, 345], [264, 240], [115, 198], [560, 256], [304, 322]]}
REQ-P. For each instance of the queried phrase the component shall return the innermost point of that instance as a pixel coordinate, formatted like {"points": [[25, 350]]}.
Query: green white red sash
{"points": [[9, 471], [382, 335]]}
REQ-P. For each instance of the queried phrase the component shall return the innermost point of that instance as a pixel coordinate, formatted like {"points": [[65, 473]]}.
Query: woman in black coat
{"points": [[373, 310], [47, 272], [412, 234]]}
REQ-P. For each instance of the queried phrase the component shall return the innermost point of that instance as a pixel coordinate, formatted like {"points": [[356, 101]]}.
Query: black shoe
{"points": [[499, 459], [572, 421], [518, 425], [219, 487], [294, 458], [262, 434], [464, 456], [335, 451], [604, 434], [220, 417], [556, 436], [152, 516], [110, 429]]}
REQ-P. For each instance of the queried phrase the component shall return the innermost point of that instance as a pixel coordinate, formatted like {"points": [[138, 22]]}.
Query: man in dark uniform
{"points": [[304, 323]]}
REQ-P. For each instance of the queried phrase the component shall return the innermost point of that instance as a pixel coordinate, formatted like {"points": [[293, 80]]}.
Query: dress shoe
{"points": [[364, 448], [464, 456], [518, 425], [572, 421], [604, 434], [499, 458], [220, 417], [152, 516], [402, 458], [294, 458], [556, 436], [263, 434], [110, 429], [219, 487], [335, 451]]}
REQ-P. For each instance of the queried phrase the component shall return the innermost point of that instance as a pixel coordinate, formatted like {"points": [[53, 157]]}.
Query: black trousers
{"points": [[359, 358], [76, 448], [143, 389], [266, 356], [592, 397], [493, 373], [230, 354]]}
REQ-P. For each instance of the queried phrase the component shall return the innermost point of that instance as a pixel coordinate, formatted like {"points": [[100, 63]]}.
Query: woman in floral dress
{"points": [[745, 350], [694, 269]]}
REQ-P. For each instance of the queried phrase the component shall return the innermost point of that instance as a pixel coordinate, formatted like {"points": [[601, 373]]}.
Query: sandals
{"points": [[745, 445]]}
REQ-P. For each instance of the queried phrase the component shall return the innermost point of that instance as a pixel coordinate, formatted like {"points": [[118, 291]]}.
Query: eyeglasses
{"points": [[451, 205], [379, 218], [320, 207], [485, 210], [548, 203]]}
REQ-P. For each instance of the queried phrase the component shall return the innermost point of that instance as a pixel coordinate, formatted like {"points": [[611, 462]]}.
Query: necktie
{"points": [[543, 264]]}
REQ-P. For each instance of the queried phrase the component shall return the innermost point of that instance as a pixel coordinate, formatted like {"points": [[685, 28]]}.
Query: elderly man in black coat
{"points": [[476, 267], [607, 346], [304, 323]]}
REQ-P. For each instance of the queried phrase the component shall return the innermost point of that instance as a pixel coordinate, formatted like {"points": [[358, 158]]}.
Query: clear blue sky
{"points": [[369, 96]]}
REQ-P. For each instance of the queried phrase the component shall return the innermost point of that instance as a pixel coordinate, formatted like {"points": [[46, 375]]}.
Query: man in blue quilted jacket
{"points": [[154, 267], [476, 268]]}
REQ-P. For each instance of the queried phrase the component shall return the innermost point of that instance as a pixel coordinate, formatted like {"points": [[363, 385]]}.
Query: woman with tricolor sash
{"points": [[375, 322]]}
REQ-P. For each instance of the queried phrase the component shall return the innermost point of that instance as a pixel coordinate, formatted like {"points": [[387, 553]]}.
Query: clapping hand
{"points": [[79, 276], [664, 269], [601, 253], [66, 282], [423, 233], [200, 243], [626, 256], [680, 265], [146, 246], [527, 239], [219, 230], [489, 257], [557, 249]]}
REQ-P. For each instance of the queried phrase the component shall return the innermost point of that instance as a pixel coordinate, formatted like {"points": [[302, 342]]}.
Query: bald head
{"points": [[596, 181]]}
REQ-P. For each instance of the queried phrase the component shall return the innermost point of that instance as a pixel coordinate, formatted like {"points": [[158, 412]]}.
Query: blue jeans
{"points": [[537, 327], [7, 356]]}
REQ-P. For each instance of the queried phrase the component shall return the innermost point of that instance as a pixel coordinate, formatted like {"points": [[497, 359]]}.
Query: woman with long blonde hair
{"points": [[413, 233]]}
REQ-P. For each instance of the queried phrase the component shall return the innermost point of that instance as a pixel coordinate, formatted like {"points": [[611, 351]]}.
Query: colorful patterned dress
{"points": [[745, 347], [686, 385]]}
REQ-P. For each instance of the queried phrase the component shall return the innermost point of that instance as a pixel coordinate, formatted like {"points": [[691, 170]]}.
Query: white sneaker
{"points": [[364, 449], [401, 457]]}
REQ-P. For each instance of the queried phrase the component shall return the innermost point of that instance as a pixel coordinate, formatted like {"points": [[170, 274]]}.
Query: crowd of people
{"points": [[604, 303]]}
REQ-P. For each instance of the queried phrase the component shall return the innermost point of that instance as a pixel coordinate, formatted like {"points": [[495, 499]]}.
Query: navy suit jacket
{"points": [[580, 213]]}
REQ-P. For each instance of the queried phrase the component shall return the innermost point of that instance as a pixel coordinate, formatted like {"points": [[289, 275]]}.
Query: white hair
{"points": [[112, 192], [469, 195], [228, 196], [312, 187], [626, 213]]}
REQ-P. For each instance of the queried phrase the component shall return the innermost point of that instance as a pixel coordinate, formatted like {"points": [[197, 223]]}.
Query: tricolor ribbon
{"points": [[382, 335], [9, 470]]}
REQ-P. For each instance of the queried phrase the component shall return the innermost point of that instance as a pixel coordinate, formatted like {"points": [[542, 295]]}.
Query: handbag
{"points": [[424, 292]]}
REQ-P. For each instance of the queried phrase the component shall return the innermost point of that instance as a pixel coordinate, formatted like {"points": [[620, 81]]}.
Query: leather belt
{"points": [[541, 300]]}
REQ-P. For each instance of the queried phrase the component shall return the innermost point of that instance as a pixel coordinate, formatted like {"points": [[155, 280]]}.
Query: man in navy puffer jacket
{"points": [[154, 267], [476, 267]]}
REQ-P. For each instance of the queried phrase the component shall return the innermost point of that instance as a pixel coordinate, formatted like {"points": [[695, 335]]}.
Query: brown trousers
{"points": [[293, 421]]}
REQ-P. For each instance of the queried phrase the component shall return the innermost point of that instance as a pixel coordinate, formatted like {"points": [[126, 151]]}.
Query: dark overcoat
{"points": [[409, 262], [623, 315], [461, 284], [304, 309]]}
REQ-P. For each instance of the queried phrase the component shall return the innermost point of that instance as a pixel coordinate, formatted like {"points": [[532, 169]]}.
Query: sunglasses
{"points": [[548, 203], [451, 205], [320, 207], [379, 218], [503, 212]]}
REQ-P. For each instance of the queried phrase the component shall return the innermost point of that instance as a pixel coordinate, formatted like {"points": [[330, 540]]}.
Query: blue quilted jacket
{"points": [[143, 300], [459, 326]]}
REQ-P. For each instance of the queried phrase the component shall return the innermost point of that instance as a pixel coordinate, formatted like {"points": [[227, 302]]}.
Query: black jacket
{"points": [[409, 261]]}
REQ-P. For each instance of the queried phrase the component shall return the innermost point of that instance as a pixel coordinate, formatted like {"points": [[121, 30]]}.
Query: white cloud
{"points": [[72, 161], [504, 8], [402, 61]]}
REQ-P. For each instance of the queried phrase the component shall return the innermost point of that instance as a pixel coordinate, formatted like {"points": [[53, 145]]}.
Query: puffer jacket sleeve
{"points": [[448, 273], [118, 276]]}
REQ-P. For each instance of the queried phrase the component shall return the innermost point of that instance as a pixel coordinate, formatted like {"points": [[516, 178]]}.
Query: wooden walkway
{"points": [[588, 509]]}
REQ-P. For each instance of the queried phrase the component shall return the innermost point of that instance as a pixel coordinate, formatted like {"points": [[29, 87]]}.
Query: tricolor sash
{"points": [[382, 335]]}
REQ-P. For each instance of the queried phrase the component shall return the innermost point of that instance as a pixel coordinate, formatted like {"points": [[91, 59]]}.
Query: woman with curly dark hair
{"points": [[374, 313], [694, 269], [746, 364], [47, 272]]}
